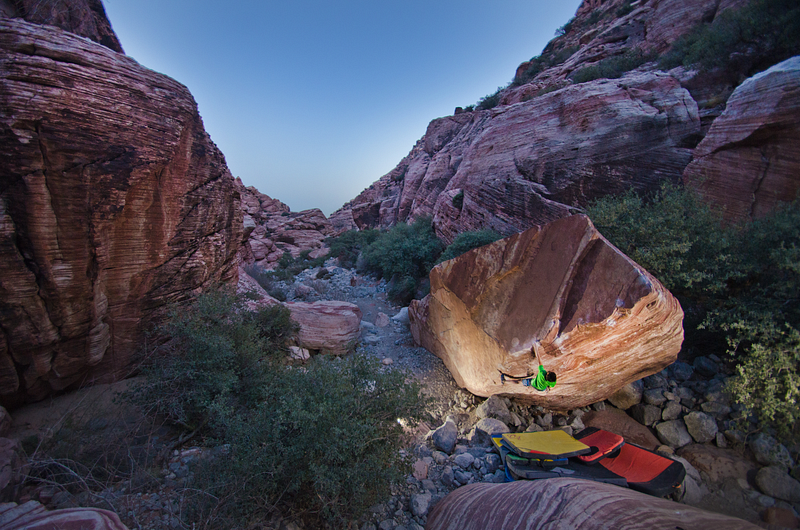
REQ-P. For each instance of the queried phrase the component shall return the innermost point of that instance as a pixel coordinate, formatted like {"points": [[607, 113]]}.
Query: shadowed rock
{"points": [[750, 159], [114, 203], [568, 503], [600, 321]]}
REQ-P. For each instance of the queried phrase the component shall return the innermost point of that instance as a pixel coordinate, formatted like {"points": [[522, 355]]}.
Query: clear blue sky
{"points": [[311, 101]]}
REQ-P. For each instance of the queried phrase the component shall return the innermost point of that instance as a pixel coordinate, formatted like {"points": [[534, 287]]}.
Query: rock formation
{"points": [[33, 516], [86, 18], [531, 163], [272, 229], [749, 160], [593, 316], [568, 503], [114, 202]]}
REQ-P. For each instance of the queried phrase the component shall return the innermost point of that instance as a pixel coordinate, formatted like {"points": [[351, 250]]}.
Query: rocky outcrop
{"points": [[749, 160], [271, 229], [114, 203], [33, 516], [517, 166], [327, 327], [593, 316], [86, 18], [568, 503]]}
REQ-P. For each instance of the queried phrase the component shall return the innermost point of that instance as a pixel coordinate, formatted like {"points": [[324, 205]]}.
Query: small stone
{"points": [[672, 411], [444, 438], [599, 406], [665, 449], [428, 485], [769, 452], [780, 517], [705, 367], [401, 316], [533, 427], [420, 504], [654, 396], [420, 470], [673, 433], [493, 462], [681, 371], [387, 361], [627, 396], [494, 407], [645, 414], [464, 460], [655, 381], [372, 339], [719, 410], [701, 426], [448, 477], [439, 457], [388, 524], [567, 429], [545, 421], [776, 482], [720, 440], [382, 320], [461, 477], [480, 435]]}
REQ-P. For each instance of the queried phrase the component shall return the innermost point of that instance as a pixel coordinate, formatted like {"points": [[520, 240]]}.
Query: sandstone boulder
{"points": [[616, 421], [114, 203], [568, 503], [598, 320], [326, 326], [750, 159], [33, 516]]}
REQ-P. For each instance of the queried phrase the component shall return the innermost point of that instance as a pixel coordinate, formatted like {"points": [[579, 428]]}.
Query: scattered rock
{"points": [[645, 414], [401, 316], [420, 470], [654, 396], [464, 460], [494, 407], [444, 438], [701, 426], [672, 411], [480, 435], [776, 482], [681, 371], [673, 433], [627, 396], [420, 504], [781, 517], [32, 515], [769, 452], [717, 464], [616, 421], [382, 320], [387, 361], [328, 326]]}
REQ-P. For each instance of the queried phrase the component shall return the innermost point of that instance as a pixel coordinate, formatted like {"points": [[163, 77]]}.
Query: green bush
{"points": [[612, 67], [540, 63], [739, 287], [347, 247], [289, 267], [458, 200], [490, 101], [566, 28], [624, 9], [754, 37], [266, 279], [321, 442], [466, 241], [405, 255]]}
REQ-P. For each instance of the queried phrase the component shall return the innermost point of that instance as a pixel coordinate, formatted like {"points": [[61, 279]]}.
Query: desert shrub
{"points": [[404, 254], [624, 9], [490, 101], [266, 279], [540, 63], [566, 28], [458, 200], [766, 32], [321, 442], [739, 286], [288, 267], [466, 241], [594, 18], [347, 247], [612, 67]]}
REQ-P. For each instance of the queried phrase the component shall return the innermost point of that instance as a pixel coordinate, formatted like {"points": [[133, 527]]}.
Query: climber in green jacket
{"points": [[543, 381]]}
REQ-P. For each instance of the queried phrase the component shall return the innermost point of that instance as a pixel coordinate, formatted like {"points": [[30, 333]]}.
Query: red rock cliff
{"points": [[114, 202]]}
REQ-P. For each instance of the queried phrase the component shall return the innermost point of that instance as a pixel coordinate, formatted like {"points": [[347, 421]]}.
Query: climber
{"points": [[543, 381]]}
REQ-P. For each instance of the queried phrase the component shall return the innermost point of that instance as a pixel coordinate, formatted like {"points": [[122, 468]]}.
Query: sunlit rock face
{"points": [[597, 319], [114, 203], [521, 165], [750, 159]]}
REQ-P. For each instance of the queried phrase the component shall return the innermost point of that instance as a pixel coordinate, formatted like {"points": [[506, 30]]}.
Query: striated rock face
{"points": [[750, 159], [86, 18], [33, 516], [596, 318], [271, 229], [531, 163], [568, 503], [114, 202]]}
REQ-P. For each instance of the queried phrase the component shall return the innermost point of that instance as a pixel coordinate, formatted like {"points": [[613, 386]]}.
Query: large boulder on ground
{"points": [[33, 516], [616, 421], [328, 326], [114, 204], [568, 503], [750, 159], [596, 318]]}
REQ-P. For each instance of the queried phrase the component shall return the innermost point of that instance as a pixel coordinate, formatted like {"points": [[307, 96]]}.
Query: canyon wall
{"points": [[114, 203]]}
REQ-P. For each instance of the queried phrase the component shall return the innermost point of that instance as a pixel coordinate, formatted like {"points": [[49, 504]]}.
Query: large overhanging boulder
{"points": [[597, 319]]}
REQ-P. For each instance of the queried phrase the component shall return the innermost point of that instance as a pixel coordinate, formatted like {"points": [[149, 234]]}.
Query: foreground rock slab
{"points": [[33, 516], [568, 503], [597, 319], [114, 203]]}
